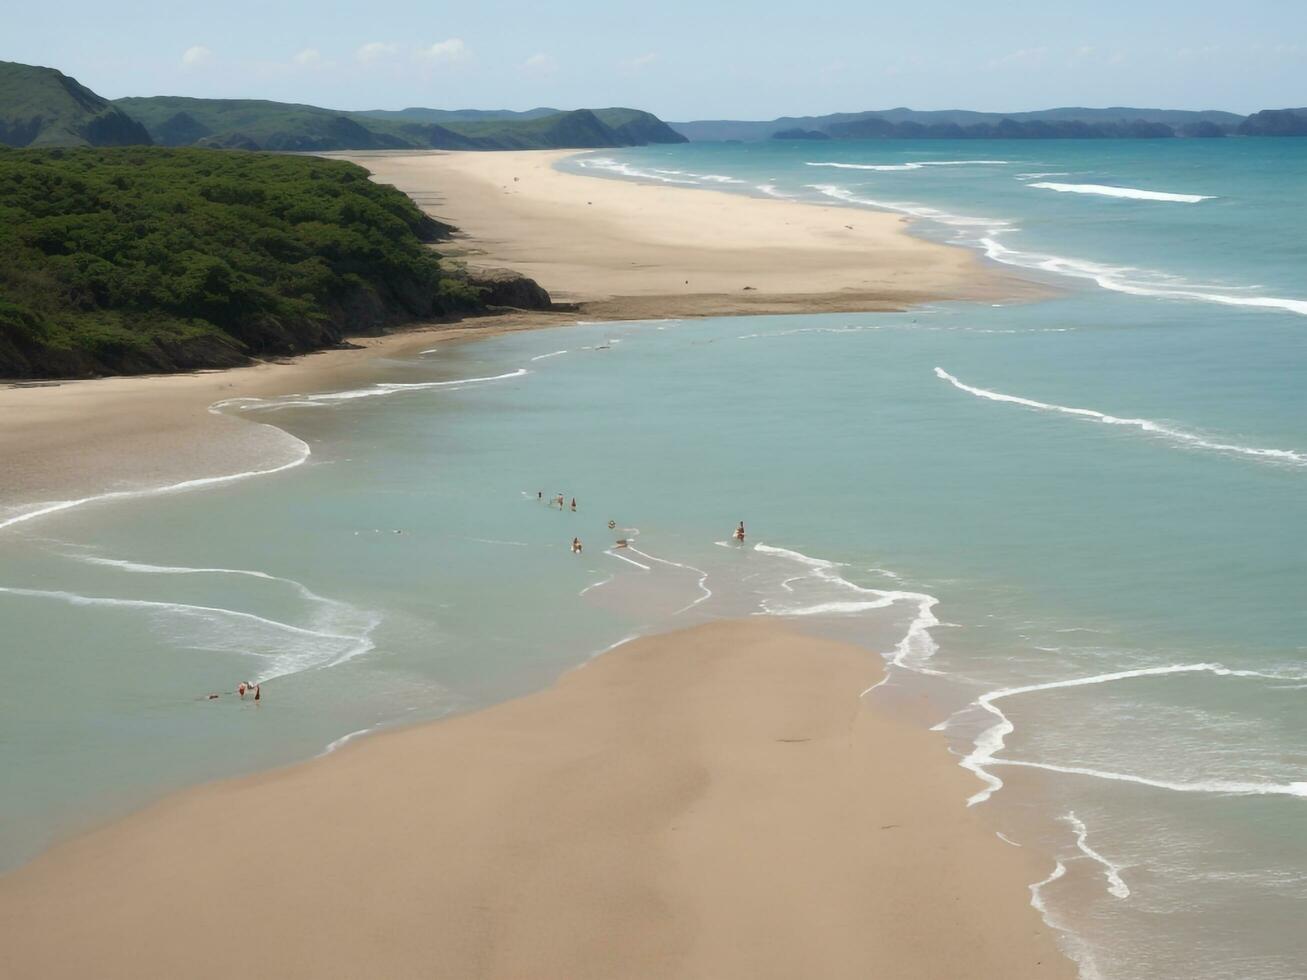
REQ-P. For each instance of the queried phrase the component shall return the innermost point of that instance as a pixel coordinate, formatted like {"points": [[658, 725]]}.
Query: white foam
{"points": [[542, 357], [992, 740], [1134, 282], [1006, 840], [626, 170], [1051, 173], [333, 746], [1134, 193], [772, 191], [372, 391], [994, 225], [1121, 279], [705, 593], [915, 648], [710, 178], [629, 561], [1145, 425], [290, 648], [1079, 950], [45, 509], [1116, 885], [911, 165], [595, 585]]}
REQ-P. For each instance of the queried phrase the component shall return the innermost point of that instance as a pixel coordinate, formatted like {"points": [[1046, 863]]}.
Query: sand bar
{"points": [[711, 803]]}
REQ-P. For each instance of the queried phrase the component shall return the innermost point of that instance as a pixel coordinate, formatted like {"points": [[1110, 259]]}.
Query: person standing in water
{"points": [[576, 546], [573, 505], [739, 532]]}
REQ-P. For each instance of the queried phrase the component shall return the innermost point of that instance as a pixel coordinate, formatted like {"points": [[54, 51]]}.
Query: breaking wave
{"points": [[1134, 193], [1146, 425]]}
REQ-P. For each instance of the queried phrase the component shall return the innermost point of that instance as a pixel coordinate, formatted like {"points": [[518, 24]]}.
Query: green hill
{"points": [[902, 123], [44, 107], [418, 114], [259, 125], [252, 124], [150, 259]]}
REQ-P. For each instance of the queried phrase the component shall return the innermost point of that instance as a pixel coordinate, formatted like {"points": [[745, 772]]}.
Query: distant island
{"points": [[43, 107], [1119, 122]]}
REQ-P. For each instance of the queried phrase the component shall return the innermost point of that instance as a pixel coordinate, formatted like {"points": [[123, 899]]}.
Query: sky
{"points": [[681, 59]]}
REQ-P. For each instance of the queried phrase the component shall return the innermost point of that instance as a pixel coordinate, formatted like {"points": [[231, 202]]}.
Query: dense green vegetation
{"points": [[44, 107], [135, 260], [254, 124]]}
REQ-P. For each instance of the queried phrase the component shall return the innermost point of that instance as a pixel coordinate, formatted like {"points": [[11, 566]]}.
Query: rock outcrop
{"points": [[504, 287]]}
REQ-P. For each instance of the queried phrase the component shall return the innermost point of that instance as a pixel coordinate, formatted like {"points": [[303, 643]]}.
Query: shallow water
{"points": [[1075, 526]]}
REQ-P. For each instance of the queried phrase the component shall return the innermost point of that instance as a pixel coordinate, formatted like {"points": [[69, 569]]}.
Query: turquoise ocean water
{"points": [[1074, 528]]}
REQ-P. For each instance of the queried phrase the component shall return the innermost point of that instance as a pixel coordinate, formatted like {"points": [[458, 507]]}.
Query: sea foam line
{"points": [[42, 510], [995, 225], [1116, 885], [372, 391], [910, 165], [1134, 193], [992, 740], [1154, 428], [911, 652], [706, 593], [1079, 948], [1121, 279], [629, 561], [340, 647], [1117, 279]]}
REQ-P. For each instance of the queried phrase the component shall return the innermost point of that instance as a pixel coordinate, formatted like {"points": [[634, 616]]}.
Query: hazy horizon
{"points": [[682, 61]]}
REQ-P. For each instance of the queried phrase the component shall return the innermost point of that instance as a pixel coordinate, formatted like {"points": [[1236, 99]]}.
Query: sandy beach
{"points": [[711, 803], [628, 250], [620, 250]]}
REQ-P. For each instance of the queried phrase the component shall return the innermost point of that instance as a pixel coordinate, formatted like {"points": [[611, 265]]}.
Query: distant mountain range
{"points": [[44, 107], [1064, 123]]}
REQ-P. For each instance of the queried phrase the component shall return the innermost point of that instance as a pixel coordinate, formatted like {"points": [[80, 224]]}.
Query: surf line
{"points": [[911, 652], [1146, 425], [44, 510], [703, 578], [992, 740]]}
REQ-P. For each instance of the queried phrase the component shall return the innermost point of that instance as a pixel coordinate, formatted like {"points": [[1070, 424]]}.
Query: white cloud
{"points": [[640, 61], [1024, 58], [374, 51], [308, 58], [197, 57], [540, 64], [448, 52]]}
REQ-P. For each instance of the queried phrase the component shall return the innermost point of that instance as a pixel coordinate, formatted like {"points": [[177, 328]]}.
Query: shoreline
{"points": [[709, 802], [632, 257], [143, 435]]}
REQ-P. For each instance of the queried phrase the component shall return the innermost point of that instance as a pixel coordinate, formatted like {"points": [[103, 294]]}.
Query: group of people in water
{"points": [[243, 688], [559, 500]]}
